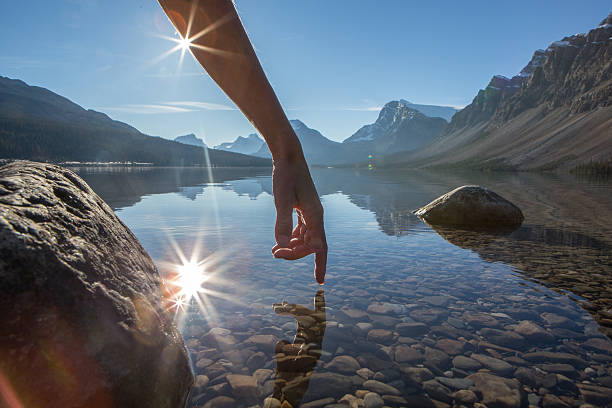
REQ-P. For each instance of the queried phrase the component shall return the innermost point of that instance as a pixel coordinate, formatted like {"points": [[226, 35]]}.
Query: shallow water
{"points": [[410, 313]]}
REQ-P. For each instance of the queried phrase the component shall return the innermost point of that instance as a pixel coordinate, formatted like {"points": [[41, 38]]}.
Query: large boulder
{"points": [[471, 206], [83, 322]]}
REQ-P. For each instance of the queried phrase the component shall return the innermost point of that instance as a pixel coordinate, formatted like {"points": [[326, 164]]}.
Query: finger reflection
{"points": [[296, 361]]}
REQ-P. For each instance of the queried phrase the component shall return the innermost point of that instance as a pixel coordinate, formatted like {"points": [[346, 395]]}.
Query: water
{"points": [[410, 313]]}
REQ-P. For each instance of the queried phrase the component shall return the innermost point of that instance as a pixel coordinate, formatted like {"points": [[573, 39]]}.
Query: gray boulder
{"points": [[471, 206], [83, 321]]}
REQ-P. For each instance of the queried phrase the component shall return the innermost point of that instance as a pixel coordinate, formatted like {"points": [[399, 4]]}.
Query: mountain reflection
{"points": [[560, 243]]}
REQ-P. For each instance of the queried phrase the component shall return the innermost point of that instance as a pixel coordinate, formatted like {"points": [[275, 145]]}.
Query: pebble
{"points": [[380, 388], [373, 400], [466, 363], [343, 364], [381, 336], [494, 364]]}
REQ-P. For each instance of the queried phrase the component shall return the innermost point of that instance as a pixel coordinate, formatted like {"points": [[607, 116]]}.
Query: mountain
{"points": [[190, 139], [37, 124], [318, 149], [555, 113], [433, 111], [398, 128], [245, 145]]}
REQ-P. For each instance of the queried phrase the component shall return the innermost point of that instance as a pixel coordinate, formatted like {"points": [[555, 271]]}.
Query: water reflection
{"points": [[295, 362], [417, 316], [559, 244]]}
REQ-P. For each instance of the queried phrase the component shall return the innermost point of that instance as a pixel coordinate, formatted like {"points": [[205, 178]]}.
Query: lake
{"points": [[408, 316]]}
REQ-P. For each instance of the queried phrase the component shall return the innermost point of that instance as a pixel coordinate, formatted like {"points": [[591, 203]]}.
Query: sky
{"points": [[333, 64]]}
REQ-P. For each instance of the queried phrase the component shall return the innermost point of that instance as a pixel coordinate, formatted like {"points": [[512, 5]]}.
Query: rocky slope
{"points": [[37, 124], [557, 112], [245, 145], [398, 128], [318, 149]]}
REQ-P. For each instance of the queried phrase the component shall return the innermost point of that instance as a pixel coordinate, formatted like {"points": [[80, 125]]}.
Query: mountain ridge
{"points": [[38, 124], [555, 113]]}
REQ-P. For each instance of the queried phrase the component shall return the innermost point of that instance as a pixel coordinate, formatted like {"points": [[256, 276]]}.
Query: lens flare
{"points": [[187, 283]]}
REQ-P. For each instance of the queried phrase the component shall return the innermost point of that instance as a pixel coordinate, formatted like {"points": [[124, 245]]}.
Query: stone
{"points": [[466, 363], [221, 401], [553, 357], [362, 328], [437, 391], [75, 279], [455, 383], [551, 401], [417, 374], [350, 400], [497, 392], [262, 374], [437, 358], [411, 329], [450, 347], [344, 365], [438, 300], [394, 401], [384, 308], [556, 320], [264, 342], [365, 373], [380, 336], [271, 402], [465, 397], [351, 314], [471, 206], [406, 354], [257, 360], [244, 387], [503, 337], [323, 402], [533, 333], [494, 364], [380, 388], [201, 381], [373, 400], [480, 319], [599, 344], [324, 385], [219, 338]]}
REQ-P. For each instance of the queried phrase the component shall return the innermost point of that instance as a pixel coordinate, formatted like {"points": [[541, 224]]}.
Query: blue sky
{"points": [[332, 63]]}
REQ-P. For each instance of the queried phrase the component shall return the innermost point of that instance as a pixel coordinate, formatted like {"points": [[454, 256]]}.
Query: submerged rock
{"points": [[83, 320], [471, 206]]}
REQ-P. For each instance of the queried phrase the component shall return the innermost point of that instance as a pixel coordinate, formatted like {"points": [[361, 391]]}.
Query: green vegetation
{"points": [[602, 168], [59, 140]]}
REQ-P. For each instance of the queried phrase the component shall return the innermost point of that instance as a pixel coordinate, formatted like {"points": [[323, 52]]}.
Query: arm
{"points": [[221, 46]]}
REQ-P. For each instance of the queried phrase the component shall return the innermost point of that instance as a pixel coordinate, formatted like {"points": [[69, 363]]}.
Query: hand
{"points": [[293, 188]]}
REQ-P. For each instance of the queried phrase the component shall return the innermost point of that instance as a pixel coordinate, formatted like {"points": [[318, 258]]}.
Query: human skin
{"points": [[220, 44]]}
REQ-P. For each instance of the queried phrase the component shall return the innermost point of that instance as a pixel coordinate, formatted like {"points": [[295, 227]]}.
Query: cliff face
{"points": [[574, 72], [556, 112]]}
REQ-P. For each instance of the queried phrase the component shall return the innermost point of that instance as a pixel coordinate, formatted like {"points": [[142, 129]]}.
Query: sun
{"points": [[184, 43]]}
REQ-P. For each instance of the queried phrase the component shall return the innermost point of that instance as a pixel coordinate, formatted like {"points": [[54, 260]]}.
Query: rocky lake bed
{"points": [[409, 316]]}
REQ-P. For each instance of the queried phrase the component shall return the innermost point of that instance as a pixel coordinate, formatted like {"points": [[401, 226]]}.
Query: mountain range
{"points": [[37, 124], [245, 145], [191, 140], [555, 113]]}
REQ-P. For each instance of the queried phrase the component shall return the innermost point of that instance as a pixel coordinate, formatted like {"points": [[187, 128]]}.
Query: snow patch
{"points": [[605, 26]]}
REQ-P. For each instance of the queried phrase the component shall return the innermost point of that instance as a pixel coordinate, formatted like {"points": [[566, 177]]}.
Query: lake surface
{"points": [[409, 315]]}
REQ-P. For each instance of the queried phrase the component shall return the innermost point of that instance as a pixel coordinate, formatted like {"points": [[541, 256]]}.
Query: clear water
{"points": [[387, 271]]}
